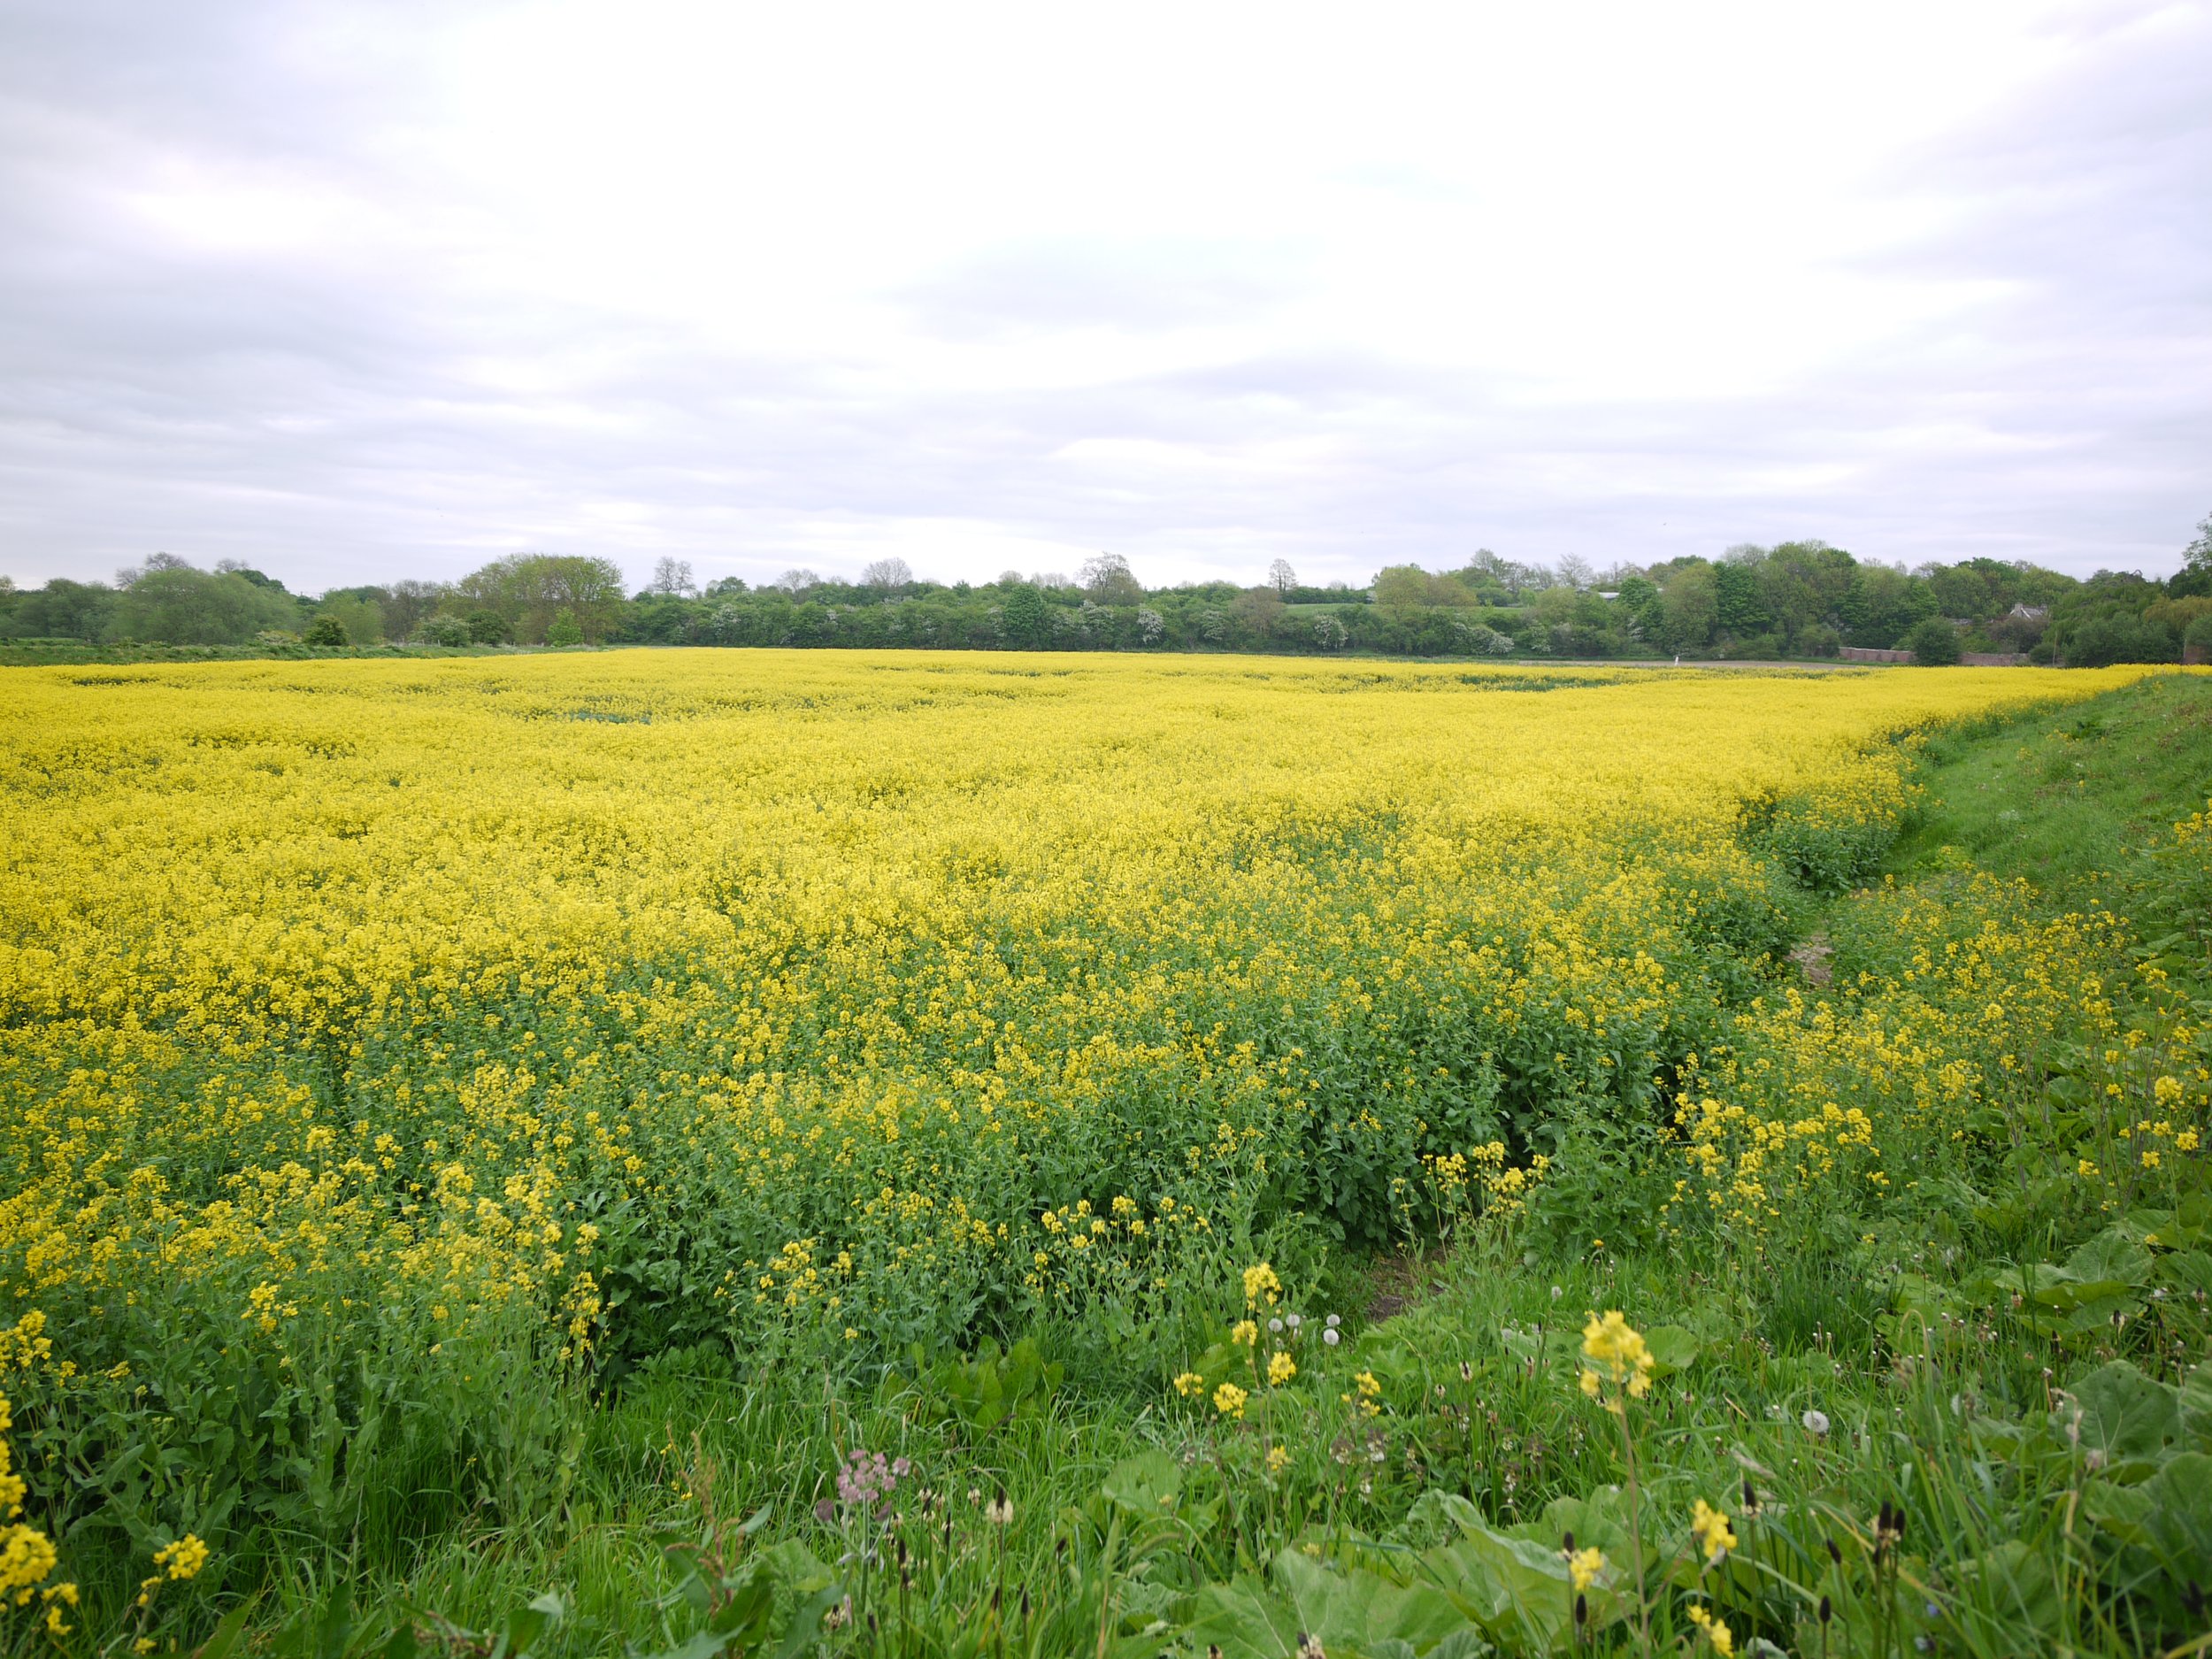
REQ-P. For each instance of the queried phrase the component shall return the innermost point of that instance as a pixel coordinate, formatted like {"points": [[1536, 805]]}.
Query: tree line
{"points": [[1797, 599]]}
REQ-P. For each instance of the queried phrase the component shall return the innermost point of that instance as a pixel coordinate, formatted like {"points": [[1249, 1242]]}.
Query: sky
{"points": [[353, 292]]}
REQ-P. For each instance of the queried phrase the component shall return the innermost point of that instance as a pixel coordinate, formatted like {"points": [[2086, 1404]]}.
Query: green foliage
{"points": [[326, 630], [981, 1394], [2113, 617], [1799, 599], [531, 591], [176, 605], [1933, 642], [1024, 618], [359, 612], [1821, 849]]}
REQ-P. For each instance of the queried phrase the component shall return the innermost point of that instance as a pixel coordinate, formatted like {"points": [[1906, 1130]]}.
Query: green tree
{"points": [[1258, 612], [1879, 603], [1802, 586], [405, 605], [489, 627], [1025, 619], [2198, 555], [2195, 574], [1690, 608], [361, 616], [1933, 642], [66, 609], [1107, 580], [1739, 609], [326, 630], [530, 590], [1405, 585], [1400, 585], [175, 604], [565, 629]]}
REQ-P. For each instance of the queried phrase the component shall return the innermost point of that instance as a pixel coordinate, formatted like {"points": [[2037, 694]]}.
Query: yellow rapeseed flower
{"points": [[1584, 1565], [182, 1559], [1715, 1630], [1616, 1353], [1711, 1526]]}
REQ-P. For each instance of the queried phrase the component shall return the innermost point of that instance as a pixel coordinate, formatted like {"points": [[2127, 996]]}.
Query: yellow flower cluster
{"points": [[1584, 1565], [781, 995], [1480, 1181], [1710, 1525], [1924, 1051], [1716, 1631], [1617, 1354], [173, 1562], [183, 1559], [1261, 1287], [28, 1557]]}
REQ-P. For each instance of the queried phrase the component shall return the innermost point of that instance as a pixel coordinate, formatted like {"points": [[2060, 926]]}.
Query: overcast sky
{"points": [[359, 291]]}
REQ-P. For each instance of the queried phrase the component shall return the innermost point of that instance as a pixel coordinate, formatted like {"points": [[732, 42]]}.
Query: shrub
{"points": [[326, 630], [1933, 642]]}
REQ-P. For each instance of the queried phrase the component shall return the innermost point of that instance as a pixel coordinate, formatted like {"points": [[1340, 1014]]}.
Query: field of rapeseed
{"points": [[407, 1068]]}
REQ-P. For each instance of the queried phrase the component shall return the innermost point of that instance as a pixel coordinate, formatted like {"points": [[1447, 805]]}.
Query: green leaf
{"points": [[1349, 1610], [2188, 1225], [1596, 1520], [2111, 1255], [2010, 1587], [2123, 1413], [1551, 1350], [2196, 1405], [1145, 1484], [526, 1625], [333, 1632], [1517, 1589], [806, 1623], [2188, 1272], [2123, 1511], [798, 1566], [1674, 1349], [227, 1636], [2180, 1522], [1244, 1622], [1351, 1613]]}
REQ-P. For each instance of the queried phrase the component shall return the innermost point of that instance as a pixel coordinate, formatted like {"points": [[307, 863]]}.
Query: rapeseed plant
{"points": [[455, 1023]]}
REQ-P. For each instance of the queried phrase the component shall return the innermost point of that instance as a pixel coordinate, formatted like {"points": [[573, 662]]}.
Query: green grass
{"points": [[2076, 800]]}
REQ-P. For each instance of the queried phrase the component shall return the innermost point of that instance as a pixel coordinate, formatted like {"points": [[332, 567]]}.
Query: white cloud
{"points": [[361, 290]]}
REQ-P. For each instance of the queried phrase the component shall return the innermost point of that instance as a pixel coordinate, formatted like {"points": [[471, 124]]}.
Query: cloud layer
{"points": [[355, 291]]}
